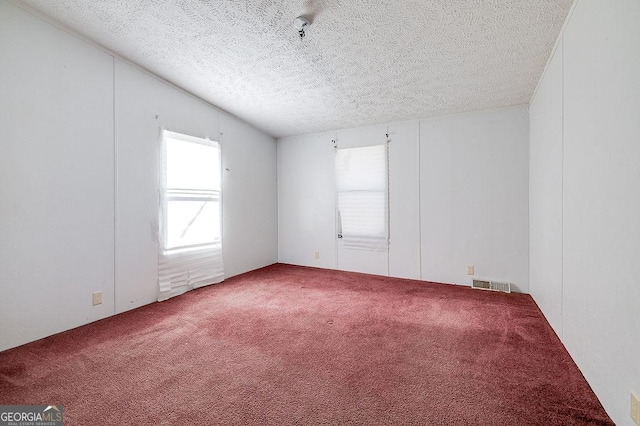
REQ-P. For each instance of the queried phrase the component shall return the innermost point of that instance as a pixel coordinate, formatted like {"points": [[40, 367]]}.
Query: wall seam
{"points": [[335, 200], [419, 203], [115, 184], [388, 203], [528, 233], [562, 194], [277, 145]]}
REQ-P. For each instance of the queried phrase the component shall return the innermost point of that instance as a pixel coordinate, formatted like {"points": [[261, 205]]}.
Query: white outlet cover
{"points": [[97, 298]]}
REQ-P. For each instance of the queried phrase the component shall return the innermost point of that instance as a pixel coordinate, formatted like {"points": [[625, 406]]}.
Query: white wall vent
{"points": [[491, 285]]}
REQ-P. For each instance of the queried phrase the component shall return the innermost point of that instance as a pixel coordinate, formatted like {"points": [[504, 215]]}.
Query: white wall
{"points": [[138, 100], [474, 196], [56, 232], [70, 169], [249, 191], [306, 201], [249, 235], [600, 181], [545, 194], [404, 200], [472, 204]]}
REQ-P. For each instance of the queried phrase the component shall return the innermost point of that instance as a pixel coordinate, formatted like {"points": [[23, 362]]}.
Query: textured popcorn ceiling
{"points": [[362, 61]]}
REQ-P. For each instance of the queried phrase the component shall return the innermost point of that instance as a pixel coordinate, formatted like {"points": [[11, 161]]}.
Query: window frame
{"points": [[186, 194]]}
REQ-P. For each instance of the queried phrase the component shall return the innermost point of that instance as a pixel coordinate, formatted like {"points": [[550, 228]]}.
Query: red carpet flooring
{"points": [[292, 345]]}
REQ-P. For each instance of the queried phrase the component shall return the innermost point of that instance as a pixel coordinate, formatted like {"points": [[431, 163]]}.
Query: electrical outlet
{"points": [[470, 270], [316, 255], [97, 298], [635, 408]]}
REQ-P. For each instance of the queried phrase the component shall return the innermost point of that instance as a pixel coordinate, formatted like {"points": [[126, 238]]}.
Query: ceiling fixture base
{"points": [[301, 23]]}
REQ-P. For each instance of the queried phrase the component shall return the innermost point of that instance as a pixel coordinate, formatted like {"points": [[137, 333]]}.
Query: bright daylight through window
{"points": [[191, 192], [190, 213]]}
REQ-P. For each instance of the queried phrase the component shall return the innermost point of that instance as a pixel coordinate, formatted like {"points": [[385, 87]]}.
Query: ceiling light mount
{"points": [[301, 22]]}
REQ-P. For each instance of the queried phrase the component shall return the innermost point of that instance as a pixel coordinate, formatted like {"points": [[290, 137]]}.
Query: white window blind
{"points": [[190, 214], [362, 197]]}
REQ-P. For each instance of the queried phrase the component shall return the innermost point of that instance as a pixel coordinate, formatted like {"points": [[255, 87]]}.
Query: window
{"points": [[190, 214], [362, 197], [192, 192]]}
